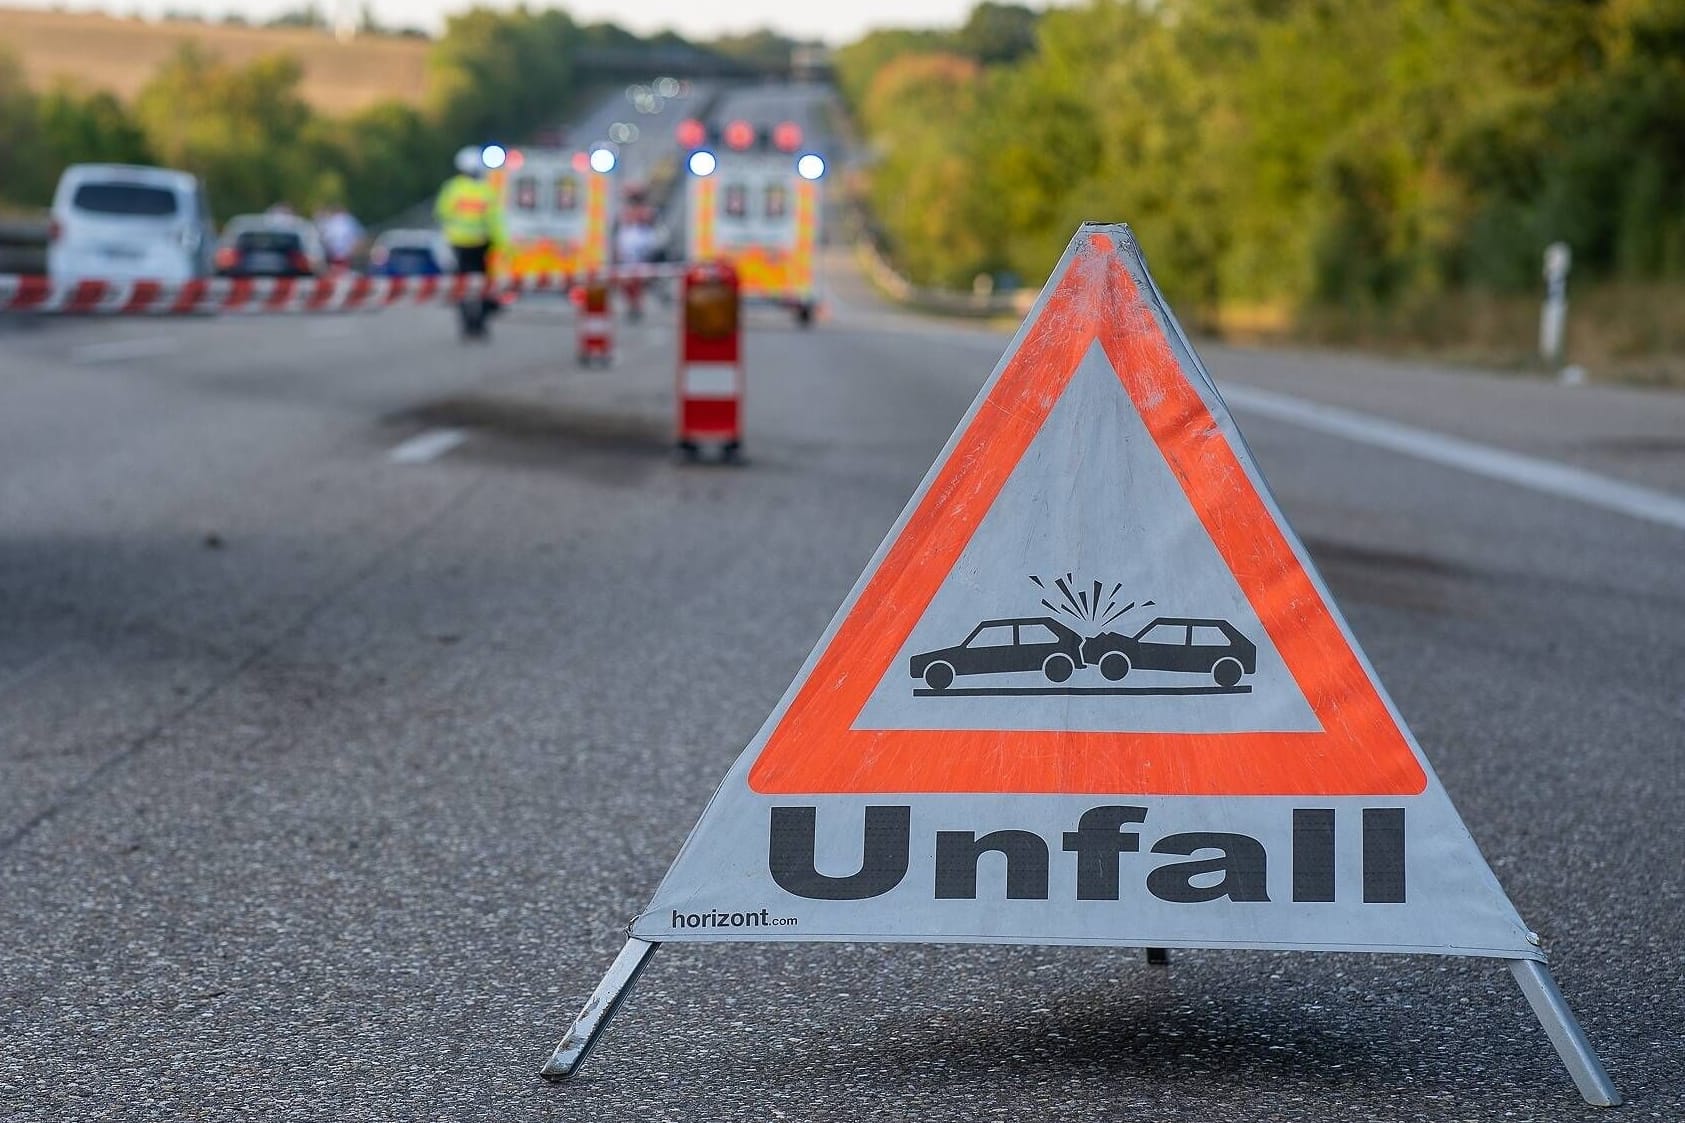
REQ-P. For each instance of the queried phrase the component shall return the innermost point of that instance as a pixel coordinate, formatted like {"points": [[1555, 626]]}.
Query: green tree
{"points": [[1368, 154], [388, 156], [306, 15], [996, 33], [242, 129], [923, 188], [25, 179], [502, 74], [858, 63], [91, 128], [1596, 159], [765, 49]]}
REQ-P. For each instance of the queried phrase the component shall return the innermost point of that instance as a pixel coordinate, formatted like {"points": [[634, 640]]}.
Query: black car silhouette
{"points": [[1038, 643], [1171, 643]]}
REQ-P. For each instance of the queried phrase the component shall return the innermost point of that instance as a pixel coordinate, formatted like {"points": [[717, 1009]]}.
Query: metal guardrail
{"points": [[944, 302], [23, 245]]}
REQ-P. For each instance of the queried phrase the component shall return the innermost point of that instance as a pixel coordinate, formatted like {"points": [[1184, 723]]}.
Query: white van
{"points": [[122, 222]]}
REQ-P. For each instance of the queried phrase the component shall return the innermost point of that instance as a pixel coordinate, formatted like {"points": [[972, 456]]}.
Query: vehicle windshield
{"points": [[125, 199]]}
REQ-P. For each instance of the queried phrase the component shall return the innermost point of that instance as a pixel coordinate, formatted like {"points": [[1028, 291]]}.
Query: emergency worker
{"points": [[342, 235], [636, 242], [471, 218]]}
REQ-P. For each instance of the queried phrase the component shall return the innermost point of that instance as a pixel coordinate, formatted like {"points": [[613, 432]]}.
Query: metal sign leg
{"points": [[1564, 1031], [598, 1010]]}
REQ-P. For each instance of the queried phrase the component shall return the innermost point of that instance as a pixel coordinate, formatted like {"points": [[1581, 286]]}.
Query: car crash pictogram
{"points": [[1172, 646]]}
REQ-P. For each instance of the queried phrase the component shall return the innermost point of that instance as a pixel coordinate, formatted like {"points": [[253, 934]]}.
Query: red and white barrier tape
{"points": [[344, 293]]}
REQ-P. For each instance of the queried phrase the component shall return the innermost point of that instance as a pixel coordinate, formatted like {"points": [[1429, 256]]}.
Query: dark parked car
{"points": [[1034, 644], [1205, 647], [410, 253]]}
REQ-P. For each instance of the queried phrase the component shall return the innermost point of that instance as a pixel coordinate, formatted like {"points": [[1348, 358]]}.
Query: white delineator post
{"points": [[1553, 318]]}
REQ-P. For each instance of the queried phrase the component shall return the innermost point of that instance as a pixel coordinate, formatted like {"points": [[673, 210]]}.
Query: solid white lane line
{"points": [[119, 350], [1547, 476], [430, 445]]}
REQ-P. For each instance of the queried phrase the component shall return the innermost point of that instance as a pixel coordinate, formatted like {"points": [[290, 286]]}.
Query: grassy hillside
{"points": [[102, 52]]}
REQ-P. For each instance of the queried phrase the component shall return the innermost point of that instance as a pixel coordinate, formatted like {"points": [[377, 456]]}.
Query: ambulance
{"points": [[558, 209], [752, 198]]}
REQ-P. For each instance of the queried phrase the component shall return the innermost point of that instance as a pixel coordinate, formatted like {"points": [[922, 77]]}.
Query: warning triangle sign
{"points": [[1089, 690], [1090, 664]]}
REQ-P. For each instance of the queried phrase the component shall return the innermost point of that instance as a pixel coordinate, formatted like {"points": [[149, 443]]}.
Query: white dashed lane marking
{"points": [[426, 446]]}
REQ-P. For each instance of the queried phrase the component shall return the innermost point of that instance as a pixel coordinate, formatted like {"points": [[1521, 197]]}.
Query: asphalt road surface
{"points": [[359, 685]]}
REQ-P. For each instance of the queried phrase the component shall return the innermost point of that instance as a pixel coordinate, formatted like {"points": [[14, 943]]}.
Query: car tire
{"points": [[939, 676], [1114, 665], [1227, 672], [1058, 667]]}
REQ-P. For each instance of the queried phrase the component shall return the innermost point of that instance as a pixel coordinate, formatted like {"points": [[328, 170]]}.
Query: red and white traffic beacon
{"points": [[710, 377], [596, 325]]}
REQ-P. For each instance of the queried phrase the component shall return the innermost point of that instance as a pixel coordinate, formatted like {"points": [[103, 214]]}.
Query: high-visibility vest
{"points": [[469, 212]]}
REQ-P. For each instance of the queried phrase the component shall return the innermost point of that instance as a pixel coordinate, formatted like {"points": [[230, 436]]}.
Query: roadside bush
{"points": [[1290, 153], [25, 181]]}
